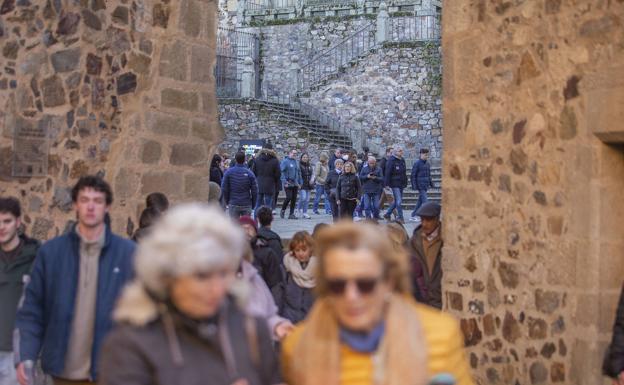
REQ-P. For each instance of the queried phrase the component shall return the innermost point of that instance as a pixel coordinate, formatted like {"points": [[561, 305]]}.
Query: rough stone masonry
{"points": [[122, 88], [532, 198]]}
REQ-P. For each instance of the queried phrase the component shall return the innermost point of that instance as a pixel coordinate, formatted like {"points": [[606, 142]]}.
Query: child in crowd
{"points": [[294, 295]]}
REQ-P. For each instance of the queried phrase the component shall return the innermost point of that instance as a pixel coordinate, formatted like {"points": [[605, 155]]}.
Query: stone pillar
{"points": [[247, 81], [382, 23], [295, 70]]}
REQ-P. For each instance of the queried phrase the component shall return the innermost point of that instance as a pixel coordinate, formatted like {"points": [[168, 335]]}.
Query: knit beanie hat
{"points": [[247, 220]]}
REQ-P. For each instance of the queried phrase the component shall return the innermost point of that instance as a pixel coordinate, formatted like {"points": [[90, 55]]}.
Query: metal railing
{"points": [[261, 5], [413, 28], [233, 47], [332, 60], [329, 2]]}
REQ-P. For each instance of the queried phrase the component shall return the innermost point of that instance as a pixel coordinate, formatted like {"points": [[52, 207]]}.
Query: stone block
{"points": [[202, 58], [196, 187], [605, 115], [126, 83], [168, 124], [41, 228], [187, 154], [121, 15], [167, 182], [139, 63], [191, 17], [66, 60], [182, 100], [546, 301], [207, 129], [538, 373], [94, 64], [470, 329], [151, 152], [173, 61], [91, 20], [53, 92], [126, 183]]}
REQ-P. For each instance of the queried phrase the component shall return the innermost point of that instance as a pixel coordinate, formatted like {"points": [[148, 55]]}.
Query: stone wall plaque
{"points": [[30, 149]]}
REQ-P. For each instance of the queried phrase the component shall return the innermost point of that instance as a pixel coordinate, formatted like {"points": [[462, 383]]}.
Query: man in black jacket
{"points": [[266, 168], [265, 218], [17, 254], [265, 260], [330, 187], [395, 177]]}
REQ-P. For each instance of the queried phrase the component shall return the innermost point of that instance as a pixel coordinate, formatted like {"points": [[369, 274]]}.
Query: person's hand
{"points": [[619, 380], [283, 329], [21, 374]]}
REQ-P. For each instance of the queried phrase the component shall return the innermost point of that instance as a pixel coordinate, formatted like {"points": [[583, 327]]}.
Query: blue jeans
{"points": [[304, 201], [397, 193], [422, 199], [264, 200], [320, 191], [239, 211], [370, 203]]}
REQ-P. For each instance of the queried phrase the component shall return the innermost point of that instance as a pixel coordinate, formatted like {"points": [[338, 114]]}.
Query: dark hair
{"points": [[424, 150], [318, 228], [10, 205], [265, 215], [216, 160], [240, 157], [148, 217], [302, 155], [158, 201], [388, 150], [94, 182], [268, 146]]}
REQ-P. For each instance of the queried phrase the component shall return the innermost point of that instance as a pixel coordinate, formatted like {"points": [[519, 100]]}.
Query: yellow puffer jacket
{"points": [[445, 347]]}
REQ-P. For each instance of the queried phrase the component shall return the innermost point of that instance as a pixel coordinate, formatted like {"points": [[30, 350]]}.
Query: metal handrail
{"points": [[262, 5], [414, 28]]}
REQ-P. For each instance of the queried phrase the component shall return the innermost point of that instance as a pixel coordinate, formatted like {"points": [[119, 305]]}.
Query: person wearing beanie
{"points": [[264, 258]]}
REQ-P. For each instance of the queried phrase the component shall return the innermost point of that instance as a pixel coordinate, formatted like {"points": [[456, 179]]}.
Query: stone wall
{"points": [[123, 89], [392, 96], [532, 199]]}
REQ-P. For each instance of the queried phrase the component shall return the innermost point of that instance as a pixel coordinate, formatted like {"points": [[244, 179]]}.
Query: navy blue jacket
{"points": [[371, 185], [239, 186], [421, 175], [294, 302], [44, 321], [395, 173]]}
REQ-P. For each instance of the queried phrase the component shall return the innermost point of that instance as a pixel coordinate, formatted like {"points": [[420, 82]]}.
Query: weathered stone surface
{"points": [[455, 301], [7, 6], [548, 350], [568, 123], [527, 69], [571, 89], [472, 334], [62, 199], [519, 161], [540, 198], [139, 63], [546, 301], [173, 61], [538, 373], [78, 169], [179, 99], [53, 92], [196, 187], [151, 152], [519, 131], [201, 58], [41, 228], [186, 154], [538, 329], [91, 20], [511, 328], [489, 326], [10, 49], [168, 124], [169, 183], [190, 17], [126, 83], [160, 15], [509, 275], [68, 25], [66, 60], [557, 372], [121, 15], [94, 64]]}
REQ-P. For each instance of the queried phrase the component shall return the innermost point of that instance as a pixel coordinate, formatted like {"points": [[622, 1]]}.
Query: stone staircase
{"points": [[317, 131], [410, 197]]}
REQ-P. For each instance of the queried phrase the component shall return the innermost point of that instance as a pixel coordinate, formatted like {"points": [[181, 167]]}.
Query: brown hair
{"points": [[301, 237], [349, 235]]}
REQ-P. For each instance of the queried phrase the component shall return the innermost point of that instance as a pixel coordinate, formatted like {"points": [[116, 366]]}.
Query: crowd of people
{"points": [[196, 294], [353, 186]]}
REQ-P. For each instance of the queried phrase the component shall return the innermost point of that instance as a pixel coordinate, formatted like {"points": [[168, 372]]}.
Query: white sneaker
{"points": [[414, 219], [357, 219], [306, 216]]}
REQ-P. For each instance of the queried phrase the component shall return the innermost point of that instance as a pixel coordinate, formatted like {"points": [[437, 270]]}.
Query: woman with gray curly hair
{"points": [[179, 322]]}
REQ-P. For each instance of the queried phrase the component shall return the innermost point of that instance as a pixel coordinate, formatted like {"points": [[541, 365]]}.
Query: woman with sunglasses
{"points": [[364, 327]]}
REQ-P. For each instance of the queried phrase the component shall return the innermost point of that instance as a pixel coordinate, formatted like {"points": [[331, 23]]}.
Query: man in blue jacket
{"points": [[372, 185], [74, 284], [239, 188], [395, 177], [291, 180], [421, 180]]}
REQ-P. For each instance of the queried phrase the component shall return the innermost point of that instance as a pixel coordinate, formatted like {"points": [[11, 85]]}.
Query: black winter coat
{"points": [[332, 182], [273, 240], [395, 174], [266, 167], [614, 359], [216, 175], [306, 175], [266, 262], [294, 302], [349, 187], [186, 352]]}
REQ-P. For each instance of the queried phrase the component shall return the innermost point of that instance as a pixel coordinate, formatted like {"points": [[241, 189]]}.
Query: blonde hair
{"points": [[349, 235], [301, 237], [324, 157], [353, 169]]}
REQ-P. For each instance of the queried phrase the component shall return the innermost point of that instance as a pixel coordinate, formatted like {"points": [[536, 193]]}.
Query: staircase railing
{"points": [[413, 28], [329, 62]]}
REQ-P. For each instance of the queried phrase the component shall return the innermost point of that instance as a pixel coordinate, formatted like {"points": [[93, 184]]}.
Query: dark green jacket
{"points": [[12, 276]]}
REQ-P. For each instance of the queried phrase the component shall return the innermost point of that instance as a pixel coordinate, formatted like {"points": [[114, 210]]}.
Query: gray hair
{"points": [[338, 161], [397, 149], [372, 158]]}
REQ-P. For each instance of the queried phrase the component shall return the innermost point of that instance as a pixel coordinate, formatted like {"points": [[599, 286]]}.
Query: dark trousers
{"points": [[335, 210], [347, 207], [291, 198], [422, 199]]}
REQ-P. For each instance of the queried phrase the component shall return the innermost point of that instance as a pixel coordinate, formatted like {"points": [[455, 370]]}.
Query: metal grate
{"points": [[233, 46], [414, 28]]}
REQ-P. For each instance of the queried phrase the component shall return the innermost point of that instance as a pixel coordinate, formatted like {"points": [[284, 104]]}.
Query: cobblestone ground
{"points": [[286, 228]]}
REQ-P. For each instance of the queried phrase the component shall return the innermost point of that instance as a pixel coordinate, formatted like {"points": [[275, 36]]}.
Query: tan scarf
{"points": [[400, 360], [303, 277]]}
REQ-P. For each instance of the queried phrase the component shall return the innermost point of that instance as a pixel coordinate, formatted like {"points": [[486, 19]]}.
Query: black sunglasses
{"points": [[364, 286]]}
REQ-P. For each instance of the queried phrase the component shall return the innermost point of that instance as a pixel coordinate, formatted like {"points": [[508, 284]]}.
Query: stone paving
{"points": [[286, 228]]}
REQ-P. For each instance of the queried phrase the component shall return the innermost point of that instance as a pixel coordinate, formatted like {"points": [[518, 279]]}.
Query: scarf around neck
{"points": [[434, 235], [303, 277], [363, 342]]}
